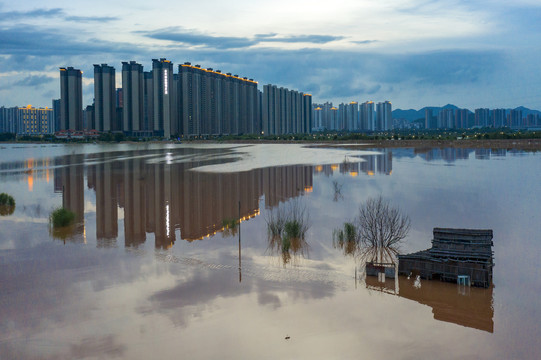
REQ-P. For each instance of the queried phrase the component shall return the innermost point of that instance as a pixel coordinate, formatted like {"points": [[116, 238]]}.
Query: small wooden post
{"points": [[240, 271]]}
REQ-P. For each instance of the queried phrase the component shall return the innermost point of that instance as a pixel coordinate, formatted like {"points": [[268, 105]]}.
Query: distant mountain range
{"points": [[412, 115]]}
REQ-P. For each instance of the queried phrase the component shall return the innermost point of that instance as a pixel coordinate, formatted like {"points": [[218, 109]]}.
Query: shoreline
{"points": [[509, 144], [517, 144]]}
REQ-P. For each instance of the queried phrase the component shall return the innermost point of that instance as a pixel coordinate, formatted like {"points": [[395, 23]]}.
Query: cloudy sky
{"points": [[414, 53]]}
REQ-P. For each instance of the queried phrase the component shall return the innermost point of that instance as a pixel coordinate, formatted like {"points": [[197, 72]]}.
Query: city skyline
{"points": [[413, 53]]}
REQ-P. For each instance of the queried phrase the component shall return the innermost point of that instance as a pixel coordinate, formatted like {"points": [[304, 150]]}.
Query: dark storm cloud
{"points": [[51, 13], [364, 42], [29, 81], [34, 80], [37, 41], [91, 18], [265, 36], [441, 67], [17, 15], [314, 39], [195, 38], [20, 61], [190, 37], [349, 74]]}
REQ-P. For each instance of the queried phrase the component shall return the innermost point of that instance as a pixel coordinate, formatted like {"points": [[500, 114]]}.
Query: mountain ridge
{"points": [[412, 114]]}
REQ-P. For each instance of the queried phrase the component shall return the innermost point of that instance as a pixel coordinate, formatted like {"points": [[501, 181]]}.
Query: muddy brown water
{"points": [[149, 270]]}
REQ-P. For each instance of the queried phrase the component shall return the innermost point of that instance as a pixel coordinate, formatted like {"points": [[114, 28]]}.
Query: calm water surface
{"points": [[148, 270]]}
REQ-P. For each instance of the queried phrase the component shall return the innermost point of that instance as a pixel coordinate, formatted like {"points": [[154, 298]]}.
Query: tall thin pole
{"points": [[240, 272]]}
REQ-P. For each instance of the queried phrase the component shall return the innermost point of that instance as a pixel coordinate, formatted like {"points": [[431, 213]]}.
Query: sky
{"points": [[414, 53]]}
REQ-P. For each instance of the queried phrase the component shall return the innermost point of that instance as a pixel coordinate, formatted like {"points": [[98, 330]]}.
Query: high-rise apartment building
{"points": [[498, 117], [533, 120], [342, 117], [104, 98], [285, 111], [56, 115], [305, 115], [214, 103], [9, 118], [384, 116], [71, 99], [352, 116], [333, 118], [318, 118], [367, 116], [148, 102], [482, 118], [324, 120], [430, 120], [446, 119], [270, 105], [462, 117], [514, 118], [89, 117], [162, 82], [34, 121], [132, 98], [119, 98]]}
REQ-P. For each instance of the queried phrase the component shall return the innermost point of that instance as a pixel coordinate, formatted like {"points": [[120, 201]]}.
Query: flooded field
{"points": [[154, 268]]}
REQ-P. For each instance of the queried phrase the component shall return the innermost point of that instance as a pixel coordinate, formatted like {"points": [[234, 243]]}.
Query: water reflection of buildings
{"points": [[447, 154], [163, 197], [470, 307], [450, 155], [69, 180], [103, 178], [372, 164], [29, 170]]}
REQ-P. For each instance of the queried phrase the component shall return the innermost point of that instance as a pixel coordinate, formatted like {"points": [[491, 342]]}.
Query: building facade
{"points": [[71, 99], [34, 121], [162, 83], [132, 98], [285, 111], [9, 118], [384, 116], [104, 98], [368, 122], [482, 118]]}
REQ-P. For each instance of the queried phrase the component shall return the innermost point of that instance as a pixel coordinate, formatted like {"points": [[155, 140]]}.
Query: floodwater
{"points": [[149, 270]]}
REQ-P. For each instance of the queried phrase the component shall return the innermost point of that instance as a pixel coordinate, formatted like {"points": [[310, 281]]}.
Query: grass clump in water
{"points": [[286, 229], [346, 238], [293, 229], [61, 217], [230, 227], [6, 199], [7, 204]]}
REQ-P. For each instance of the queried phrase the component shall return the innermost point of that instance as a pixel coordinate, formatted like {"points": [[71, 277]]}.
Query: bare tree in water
{"points": [[380, 225]]}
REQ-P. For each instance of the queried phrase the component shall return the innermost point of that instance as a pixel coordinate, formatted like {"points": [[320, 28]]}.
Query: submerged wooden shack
{"points": [[464, 254]]}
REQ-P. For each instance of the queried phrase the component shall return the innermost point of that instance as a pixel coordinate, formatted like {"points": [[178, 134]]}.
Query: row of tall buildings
{"points": [[354, 117], [199, 102], [190, 103], [464, 119]]}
